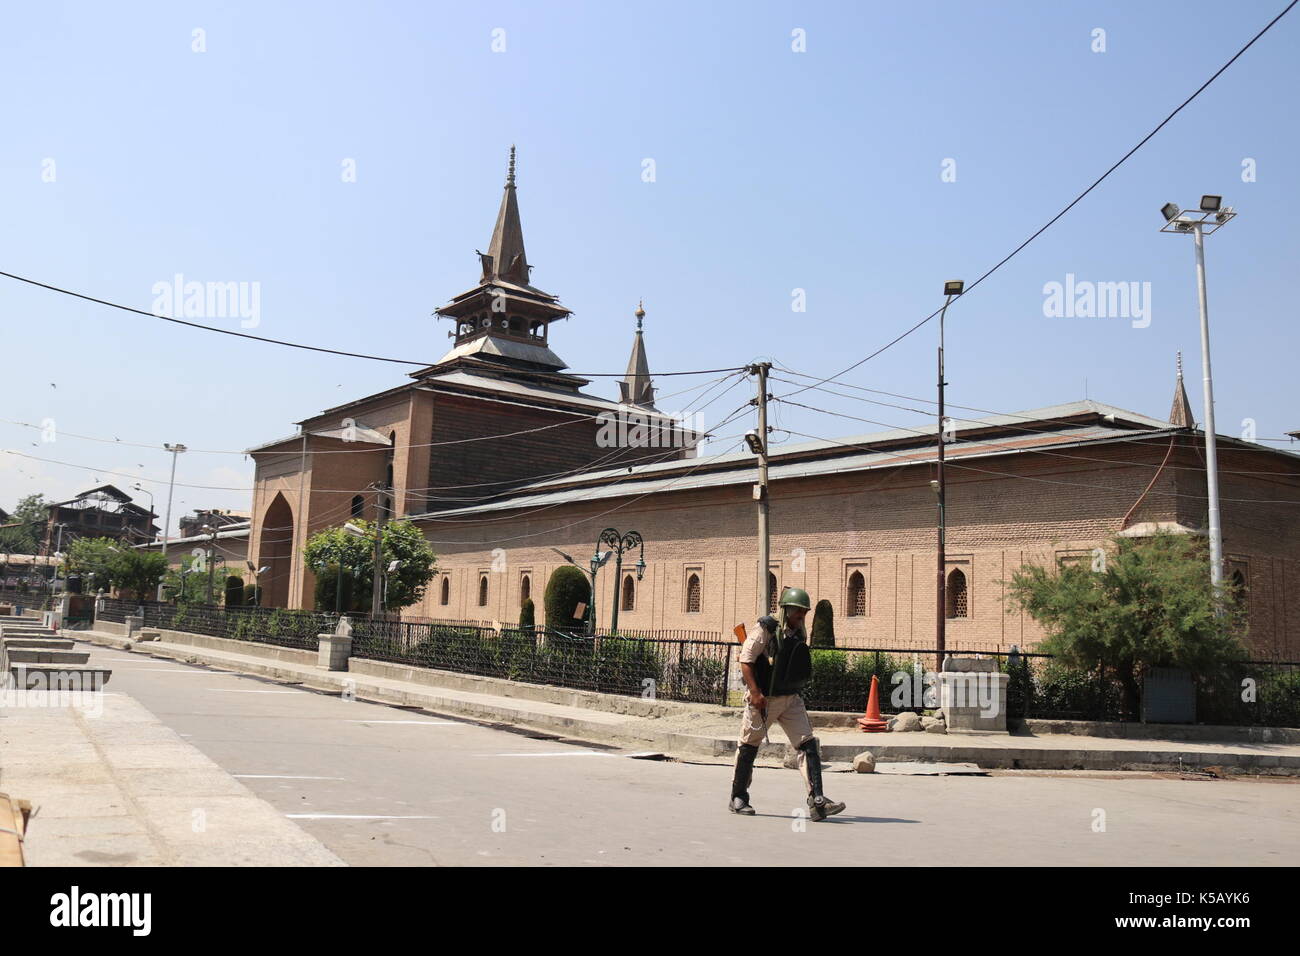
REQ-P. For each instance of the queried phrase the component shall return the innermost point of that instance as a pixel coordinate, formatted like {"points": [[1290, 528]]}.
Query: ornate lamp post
{"points": [[618, 543]]}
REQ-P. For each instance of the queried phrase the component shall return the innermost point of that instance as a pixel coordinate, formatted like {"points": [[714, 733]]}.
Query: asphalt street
{"points": [[380, 785]]}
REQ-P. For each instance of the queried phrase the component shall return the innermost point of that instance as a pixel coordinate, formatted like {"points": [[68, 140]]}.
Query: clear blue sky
{"points": [[775, 170]]}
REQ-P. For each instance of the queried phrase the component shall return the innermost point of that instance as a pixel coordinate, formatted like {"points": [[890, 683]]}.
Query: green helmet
{"points": [[795, 597]]}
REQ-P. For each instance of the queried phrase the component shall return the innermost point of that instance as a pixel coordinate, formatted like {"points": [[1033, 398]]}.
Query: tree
{"points": [[527, 615], [1143, 603], [30, 515], [138, 571], [403, 542], [92, 559], [567, 588], [188, 583], [823, 629]]}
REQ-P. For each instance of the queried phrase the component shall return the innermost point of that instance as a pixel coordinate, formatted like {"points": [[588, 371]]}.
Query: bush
{"points": [[823, 629], [526, 615], [567, 588], [234, 591]]}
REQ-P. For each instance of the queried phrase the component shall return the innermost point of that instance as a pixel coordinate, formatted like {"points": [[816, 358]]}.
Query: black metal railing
{"points": [[696, 666], [643, 666]]}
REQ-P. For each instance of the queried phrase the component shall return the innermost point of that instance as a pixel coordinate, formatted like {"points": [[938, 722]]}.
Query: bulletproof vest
{"points": [[791, 666]]}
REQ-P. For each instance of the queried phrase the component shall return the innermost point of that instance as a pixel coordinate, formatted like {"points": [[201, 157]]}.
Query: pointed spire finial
{"points": [[1181, 413], [510, 176], [1180, 365], [640, 314]]}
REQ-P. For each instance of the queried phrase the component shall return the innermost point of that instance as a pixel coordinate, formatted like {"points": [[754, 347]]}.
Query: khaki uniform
{"points": [[786, 710]]}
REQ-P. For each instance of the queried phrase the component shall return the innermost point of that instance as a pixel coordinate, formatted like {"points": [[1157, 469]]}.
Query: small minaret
{"points": [[1181, 413], [635, 386]]}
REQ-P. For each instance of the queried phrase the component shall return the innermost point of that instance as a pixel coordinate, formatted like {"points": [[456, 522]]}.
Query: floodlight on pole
{"points": [[1211, 217]]}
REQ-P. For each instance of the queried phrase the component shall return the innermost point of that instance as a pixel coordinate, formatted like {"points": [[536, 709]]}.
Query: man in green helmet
{"points": [[776, 664]]}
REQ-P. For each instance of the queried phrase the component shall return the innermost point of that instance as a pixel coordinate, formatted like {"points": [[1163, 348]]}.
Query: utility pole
{"points": [[167, 524], [757, 442], [950, 289], [212, 559], [377, 586]]}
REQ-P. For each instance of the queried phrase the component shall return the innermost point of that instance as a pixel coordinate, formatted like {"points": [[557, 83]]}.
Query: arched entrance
{"points": [[277, 553]]}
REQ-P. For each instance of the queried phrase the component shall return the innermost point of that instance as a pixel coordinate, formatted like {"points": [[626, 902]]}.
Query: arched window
{"points": [[771, 593], [857, 595], [629, 593], [525, 589], [358, 505], [445, 598], [957, 598], [693, 594], [482, 591]]}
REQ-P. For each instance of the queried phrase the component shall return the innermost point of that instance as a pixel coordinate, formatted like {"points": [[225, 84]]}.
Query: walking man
{"points": [[776, 664]]}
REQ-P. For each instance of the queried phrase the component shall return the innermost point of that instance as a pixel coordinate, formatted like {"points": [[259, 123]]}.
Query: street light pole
{"points": [[620, 543], [1212, 214], [757, 441], [171, 487], [950, 289]]}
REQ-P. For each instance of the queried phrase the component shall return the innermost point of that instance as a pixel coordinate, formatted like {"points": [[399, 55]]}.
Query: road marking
{"points": [[278, 776], [559, 753], [228, 690], [426, 723], [353, 816]]}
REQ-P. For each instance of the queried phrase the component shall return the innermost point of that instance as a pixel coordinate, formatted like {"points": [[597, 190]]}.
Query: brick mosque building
{"points": [[503, 459]]}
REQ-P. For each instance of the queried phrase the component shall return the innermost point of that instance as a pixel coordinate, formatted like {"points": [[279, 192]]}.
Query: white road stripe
{"points": [[559, 753], [353, 816], [426, 723], [278, 776], [228, 690]]}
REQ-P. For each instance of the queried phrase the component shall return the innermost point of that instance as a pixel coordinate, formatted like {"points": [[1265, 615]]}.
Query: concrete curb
{"points": [[640, 730]]}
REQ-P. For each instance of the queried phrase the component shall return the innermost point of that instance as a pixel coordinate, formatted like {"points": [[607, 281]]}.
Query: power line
{"points": [[301, 345], [1074, 202]]}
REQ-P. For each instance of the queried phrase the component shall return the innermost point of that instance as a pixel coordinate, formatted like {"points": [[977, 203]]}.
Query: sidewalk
{"points": [[113, 786], [703, 730]]}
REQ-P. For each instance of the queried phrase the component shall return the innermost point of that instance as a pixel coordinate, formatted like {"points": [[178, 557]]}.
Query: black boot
{"points": [[819, 806], [745, 755]]}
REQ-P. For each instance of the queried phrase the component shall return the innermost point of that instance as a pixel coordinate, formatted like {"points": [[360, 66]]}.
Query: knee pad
{"points": [[747, 751], [811, 745]]}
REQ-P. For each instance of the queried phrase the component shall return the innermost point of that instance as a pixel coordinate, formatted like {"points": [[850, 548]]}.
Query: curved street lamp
{"points": [[619, 543]]}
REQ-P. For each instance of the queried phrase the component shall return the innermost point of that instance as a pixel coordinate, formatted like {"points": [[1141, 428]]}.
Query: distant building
{"points": [[103, 512], [192, 525]]}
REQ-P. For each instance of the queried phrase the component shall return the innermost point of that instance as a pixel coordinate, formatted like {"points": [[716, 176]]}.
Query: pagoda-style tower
{"points": [[635, 388], [1181, 413], [502, 323]]}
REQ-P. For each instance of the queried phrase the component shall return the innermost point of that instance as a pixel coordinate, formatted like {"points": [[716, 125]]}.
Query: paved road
{"points": [[384, 786]]}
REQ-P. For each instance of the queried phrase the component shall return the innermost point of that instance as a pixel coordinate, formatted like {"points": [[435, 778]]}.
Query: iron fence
{"points": [[696, 666], [662, 668]]}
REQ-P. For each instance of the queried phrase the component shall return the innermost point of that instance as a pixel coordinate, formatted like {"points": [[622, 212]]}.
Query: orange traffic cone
{"points": [[871, 722]]}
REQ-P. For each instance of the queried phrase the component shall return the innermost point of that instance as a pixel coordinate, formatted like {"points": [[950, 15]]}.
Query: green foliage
{"points": [[1150, 605], [823, 628], [567, 588], [841, 680], [340, 591], [234, 591], [403, 542], [138, 572], [30, 516], [527, 613], [92, 559], [187, 584]]}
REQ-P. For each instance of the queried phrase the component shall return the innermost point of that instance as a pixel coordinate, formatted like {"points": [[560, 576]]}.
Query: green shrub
{"points": [[567, 588], [823, 628], [527, 614]]}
